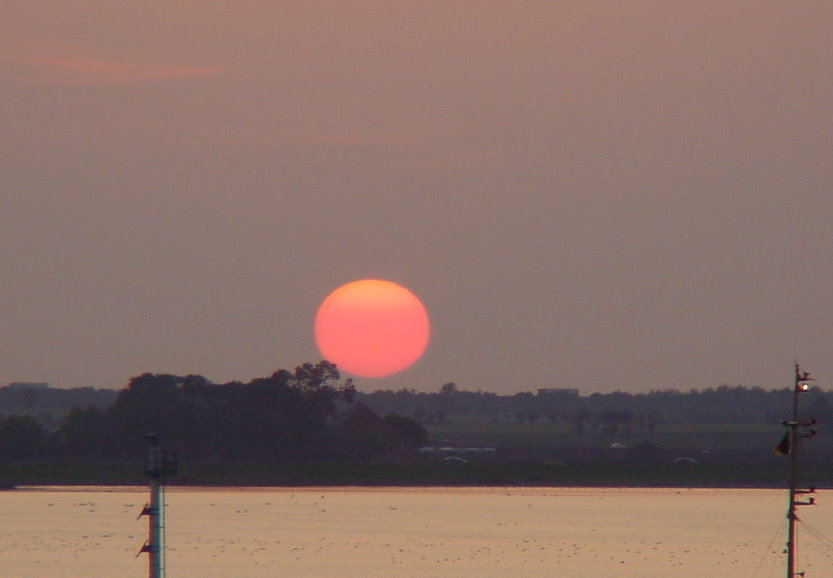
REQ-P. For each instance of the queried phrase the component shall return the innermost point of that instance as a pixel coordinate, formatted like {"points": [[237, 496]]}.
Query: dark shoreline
{"points": [[762, 475]]}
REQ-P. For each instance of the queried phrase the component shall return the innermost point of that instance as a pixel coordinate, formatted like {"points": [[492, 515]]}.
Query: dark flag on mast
{"points": [[783, 447]]}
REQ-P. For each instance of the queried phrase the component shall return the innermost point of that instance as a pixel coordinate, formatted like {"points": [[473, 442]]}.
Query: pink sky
{"points": [[604, 195]]}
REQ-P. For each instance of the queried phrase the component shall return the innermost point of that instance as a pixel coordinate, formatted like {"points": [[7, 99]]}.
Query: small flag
{"points": [[783, 447]]}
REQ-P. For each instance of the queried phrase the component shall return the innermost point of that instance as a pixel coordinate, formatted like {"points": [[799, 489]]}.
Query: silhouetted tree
{"points": [[410, 433], [21, 436], [363, 434], [285, 416], [85, 432]]}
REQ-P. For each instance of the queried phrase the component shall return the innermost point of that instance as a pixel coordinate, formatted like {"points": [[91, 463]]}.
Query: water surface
{"points": [[399, 533]]}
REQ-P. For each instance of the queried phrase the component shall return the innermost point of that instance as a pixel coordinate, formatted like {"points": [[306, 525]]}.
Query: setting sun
{"points": [[371, 328]]}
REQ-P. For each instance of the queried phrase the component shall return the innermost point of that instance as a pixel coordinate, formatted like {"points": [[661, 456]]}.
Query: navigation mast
{"points": [[796, 430], [158, 464]]}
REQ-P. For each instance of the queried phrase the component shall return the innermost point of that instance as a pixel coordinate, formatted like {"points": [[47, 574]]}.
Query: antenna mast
{"points": [[796, 431]]}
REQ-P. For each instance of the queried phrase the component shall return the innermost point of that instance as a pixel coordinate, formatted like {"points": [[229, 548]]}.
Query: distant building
{"points": [[558, 391], [27, 385]]}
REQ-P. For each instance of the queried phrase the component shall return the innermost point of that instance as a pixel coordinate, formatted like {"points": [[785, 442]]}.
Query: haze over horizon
{"points": [[602, 195]]}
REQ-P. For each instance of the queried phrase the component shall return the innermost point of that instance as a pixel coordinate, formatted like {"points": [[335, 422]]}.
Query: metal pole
{"points": [[800, 385], [793, 479], [157, 464], [156, 531]]}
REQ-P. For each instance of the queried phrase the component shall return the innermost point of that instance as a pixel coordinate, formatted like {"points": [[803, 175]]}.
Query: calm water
{"points": [[470, 532]]}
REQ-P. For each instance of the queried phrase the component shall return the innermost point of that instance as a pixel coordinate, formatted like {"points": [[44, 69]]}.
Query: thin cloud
{"points": [[80, 72]]}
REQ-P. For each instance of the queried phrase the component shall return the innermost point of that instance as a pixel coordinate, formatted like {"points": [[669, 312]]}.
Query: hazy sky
{"points": [[597, 194]]}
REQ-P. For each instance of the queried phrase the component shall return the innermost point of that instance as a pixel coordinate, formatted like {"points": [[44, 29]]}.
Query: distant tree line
{"points": [[49, 405], [303, 415], [611, 412], [309, 414]]}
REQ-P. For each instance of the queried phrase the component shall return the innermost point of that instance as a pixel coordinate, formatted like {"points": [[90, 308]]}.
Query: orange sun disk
{"points": [[372, 328]]}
